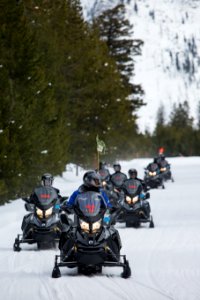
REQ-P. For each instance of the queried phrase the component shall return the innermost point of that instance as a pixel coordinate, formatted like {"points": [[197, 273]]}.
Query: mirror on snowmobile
{"points": [[29, 207], [147, 196]]}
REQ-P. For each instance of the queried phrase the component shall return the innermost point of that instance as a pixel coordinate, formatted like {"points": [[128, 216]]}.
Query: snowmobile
{"points": [[134, 209], [153, 178], [42, 225], [165, 171], [89, 244]]}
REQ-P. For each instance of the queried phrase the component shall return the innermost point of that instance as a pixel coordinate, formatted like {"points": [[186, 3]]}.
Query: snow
{"points": [[170, 31], [165, 260]]}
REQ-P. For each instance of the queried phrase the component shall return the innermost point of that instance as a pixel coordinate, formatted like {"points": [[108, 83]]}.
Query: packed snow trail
{"points": [[165, 260]]}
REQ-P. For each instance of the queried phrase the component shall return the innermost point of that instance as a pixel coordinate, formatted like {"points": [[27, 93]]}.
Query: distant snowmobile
{"points": [[135, 209], [153, 178]]}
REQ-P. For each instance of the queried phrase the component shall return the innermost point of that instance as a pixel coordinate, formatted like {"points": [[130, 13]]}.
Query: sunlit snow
{"points": [[165, 260]]}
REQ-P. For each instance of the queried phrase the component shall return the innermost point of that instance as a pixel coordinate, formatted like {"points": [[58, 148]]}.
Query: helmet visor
{"points": [[96, 182], [47, 181]]}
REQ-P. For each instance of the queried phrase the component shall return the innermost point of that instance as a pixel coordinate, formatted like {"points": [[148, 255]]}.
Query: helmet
{"points": [[162, 156], [132, 173], [92, 179], [47, 179], [155, 160], [117, 167], [102, 165]]}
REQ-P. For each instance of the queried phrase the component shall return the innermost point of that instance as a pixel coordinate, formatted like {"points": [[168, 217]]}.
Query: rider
{"points": [[47, 181], [91, 182], [161, 161], [118, 177], [153, 165]]}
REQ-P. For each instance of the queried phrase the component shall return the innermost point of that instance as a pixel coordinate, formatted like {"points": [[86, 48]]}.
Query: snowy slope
{"points": [[165, 260], [169, 66]]}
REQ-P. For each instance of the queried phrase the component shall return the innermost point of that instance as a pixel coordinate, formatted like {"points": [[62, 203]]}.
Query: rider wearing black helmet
{"points": [[118, 177], [47, 181], [91, 182], [133, 175]]}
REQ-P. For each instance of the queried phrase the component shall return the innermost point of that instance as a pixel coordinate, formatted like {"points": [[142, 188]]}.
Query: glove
{"points": [[67, 209], [106, 220]]}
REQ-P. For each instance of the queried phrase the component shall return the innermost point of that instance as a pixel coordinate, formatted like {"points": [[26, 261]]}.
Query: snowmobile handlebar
{"points": [[147, 196]]}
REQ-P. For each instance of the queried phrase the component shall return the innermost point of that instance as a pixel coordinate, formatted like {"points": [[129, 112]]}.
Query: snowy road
{"points": [[165, 260]]}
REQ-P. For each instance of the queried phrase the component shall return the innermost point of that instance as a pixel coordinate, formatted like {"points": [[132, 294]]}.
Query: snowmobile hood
{"points": [[104, 174], [153, 167], [132, 187], [45, 197], [88, 206]]}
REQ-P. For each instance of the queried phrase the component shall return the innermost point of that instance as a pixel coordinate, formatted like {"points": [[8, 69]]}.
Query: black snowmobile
{"points": [[165, 171], [90, 244], [134, 210], [42, 225], [153, 178]]}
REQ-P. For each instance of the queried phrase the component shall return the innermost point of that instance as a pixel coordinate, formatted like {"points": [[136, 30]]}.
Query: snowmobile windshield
{"points": [[45, 197], [163, 164], [90, 206], [118, 179], [132, 187], [104, 174], [153, 167]]}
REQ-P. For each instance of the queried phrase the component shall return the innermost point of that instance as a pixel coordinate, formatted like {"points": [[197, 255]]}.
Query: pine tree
{"points": [[180, 116], [180, 130], [160, 116], [117, 31], [159, 135], [28, 107], [198, 116]]}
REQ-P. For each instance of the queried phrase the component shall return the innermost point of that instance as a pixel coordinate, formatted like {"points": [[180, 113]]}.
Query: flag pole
{"points": [[97, 160]]}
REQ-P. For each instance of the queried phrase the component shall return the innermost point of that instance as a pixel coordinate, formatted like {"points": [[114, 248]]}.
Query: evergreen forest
{"points": [[63, 82]]}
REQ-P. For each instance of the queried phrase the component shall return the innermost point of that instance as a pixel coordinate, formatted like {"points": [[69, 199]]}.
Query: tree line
{"points": [[180, 135]]}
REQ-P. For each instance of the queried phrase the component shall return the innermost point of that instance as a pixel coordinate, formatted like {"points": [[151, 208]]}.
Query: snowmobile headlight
{"points": [[152, 173], [96, 226], [39, 213], [84, 225], [163, 169], [135, 199], [104, 183], [48, 212], [128, 199]]}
